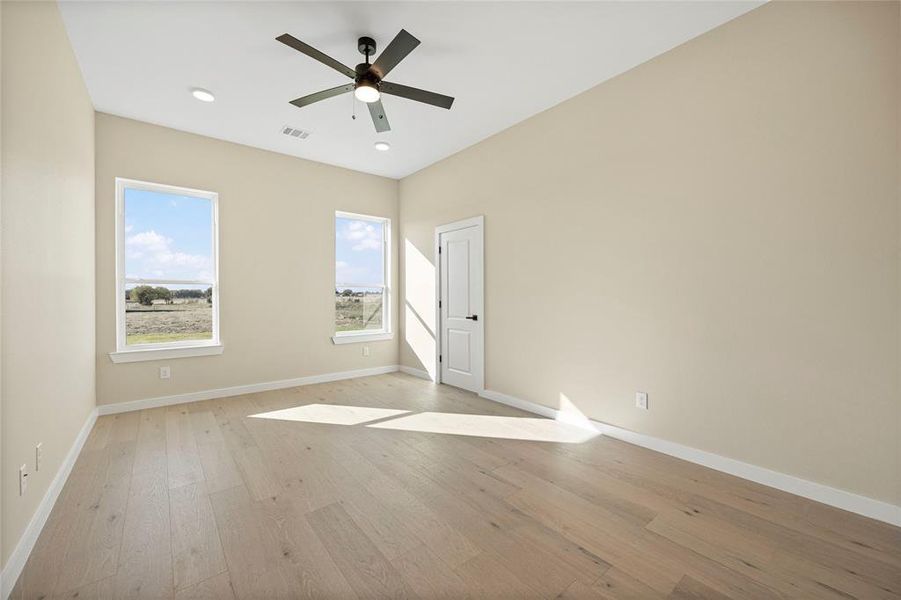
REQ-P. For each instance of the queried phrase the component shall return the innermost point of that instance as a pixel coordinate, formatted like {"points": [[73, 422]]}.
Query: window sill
{"points": [[356, 338], [127, 356]]}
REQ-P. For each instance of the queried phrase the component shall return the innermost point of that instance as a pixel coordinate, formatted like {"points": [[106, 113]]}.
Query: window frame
{"points": [[139, 352], [367, 335]]}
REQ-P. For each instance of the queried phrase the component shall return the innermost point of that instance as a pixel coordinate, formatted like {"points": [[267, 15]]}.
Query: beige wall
{"points": [[277, 243], [717, 227], [47, 254]]}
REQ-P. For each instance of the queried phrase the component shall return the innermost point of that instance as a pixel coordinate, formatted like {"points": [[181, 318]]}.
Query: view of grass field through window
{"points": [[359, 274], [168, 268], [155, 315], [358, 309]]}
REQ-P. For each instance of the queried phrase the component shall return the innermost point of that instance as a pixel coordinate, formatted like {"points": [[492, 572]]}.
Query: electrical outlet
{"points": [[38, 454], [641, 400], [23, 479], [165, 373], [365, 350]]}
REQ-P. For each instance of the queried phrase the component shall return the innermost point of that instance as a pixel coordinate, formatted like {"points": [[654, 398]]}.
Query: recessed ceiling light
{"points": [[203, 95], [382, 146]]}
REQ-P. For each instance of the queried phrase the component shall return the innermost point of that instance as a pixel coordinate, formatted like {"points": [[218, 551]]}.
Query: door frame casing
{"points": [[478, 221]]}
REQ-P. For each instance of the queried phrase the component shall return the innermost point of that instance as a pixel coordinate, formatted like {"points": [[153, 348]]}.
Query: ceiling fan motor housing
{"points": [[365, 76]]}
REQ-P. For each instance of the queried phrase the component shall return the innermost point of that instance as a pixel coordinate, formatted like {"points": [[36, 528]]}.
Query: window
{"points": [[362, 296], [166, 262]]}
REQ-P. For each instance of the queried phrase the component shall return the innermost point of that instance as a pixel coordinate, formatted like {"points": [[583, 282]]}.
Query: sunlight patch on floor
{"points": [[330, 414], [510, 428]]}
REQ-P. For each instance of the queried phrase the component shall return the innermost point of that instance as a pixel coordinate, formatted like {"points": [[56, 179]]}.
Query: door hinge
{"points": [[439, 249], [439, 304], [440, 358]]}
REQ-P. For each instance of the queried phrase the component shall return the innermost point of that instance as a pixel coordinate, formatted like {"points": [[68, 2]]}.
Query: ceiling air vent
{"points": [[300, 134]]}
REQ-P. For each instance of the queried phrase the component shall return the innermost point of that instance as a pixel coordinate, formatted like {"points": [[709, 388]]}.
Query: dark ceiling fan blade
{"points": [[379, 118], [335, 91], [289, 40], [402, 44], [412, 93]]}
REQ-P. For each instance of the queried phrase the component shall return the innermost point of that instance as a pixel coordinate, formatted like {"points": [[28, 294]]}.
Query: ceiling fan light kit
{"points": [[367, 92], [369, 79]]}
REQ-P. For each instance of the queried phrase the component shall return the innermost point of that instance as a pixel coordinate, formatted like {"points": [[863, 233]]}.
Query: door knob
{"points": [[473, 318]]}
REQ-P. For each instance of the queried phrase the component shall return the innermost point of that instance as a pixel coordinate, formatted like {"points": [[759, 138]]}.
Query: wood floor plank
{"points": [[584, 564], [429, 576], [691, 589], [184, 461], [365, 568], [485, 577], [218, 587], [196, 551], [145, 560], [306, 509], [98, 590], [100, 434], [618, 585], [220, 471], [125, 427], [272, 551], [204, 425], [534, 564], [612, 542], [251, 547], [740, 550], [435, 532], [308, 569], [388, 531], [579, 590]]}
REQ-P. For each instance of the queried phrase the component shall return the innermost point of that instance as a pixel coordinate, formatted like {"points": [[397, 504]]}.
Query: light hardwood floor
{"points": [[204, 501]]}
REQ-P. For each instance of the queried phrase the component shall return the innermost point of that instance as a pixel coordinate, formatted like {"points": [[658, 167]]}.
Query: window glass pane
{"points": [[359, 252], [358, 309], [167, 236], [168, 313]]}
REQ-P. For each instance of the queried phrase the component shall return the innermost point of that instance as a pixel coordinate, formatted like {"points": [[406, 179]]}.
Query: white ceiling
{"points": [[503, 61]]}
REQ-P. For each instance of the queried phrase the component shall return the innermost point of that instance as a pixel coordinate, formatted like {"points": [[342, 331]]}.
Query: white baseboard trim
{"points": [[532, 407], [422, 374], [26, 543], [120, 407], [862, 505]]}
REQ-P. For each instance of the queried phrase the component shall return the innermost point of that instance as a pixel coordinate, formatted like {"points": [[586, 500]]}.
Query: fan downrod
{"points": [[366, 46]]}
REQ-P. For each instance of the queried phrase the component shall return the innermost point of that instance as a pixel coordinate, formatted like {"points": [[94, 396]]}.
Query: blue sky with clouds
{"points": [[358, 252], [167, 236]]}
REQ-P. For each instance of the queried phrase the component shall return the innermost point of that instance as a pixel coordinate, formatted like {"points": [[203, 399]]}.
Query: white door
{"points": [[460, 305]]}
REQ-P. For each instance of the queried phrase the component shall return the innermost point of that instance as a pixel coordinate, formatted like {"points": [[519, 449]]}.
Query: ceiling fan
{"points": [[369, 79]]}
